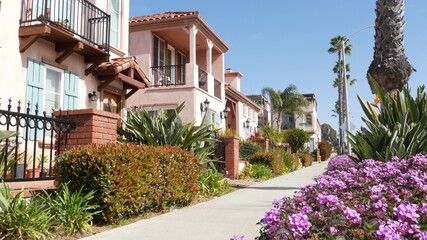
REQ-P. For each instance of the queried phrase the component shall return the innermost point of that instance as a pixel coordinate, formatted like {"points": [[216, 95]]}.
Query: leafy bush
{"points": [[20, 219], [274, 134], [213, 183], [271, 159], [306, 159], [296, 138], [131, 179], [165, 128], [261, 171], [248, 148], [72, 211], [325, 149], [368, 200], [398, 129]]}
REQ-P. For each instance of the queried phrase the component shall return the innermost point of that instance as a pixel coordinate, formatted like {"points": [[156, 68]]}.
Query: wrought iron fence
{"points": [[30, 154], [171, 75], [220, 156], [79, 17]]}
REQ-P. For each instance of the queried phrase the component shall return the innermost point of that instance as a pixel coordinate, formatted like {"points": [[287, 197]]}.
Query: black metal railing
{"points": [[171, 75], [203, 79], [79, 17], [219, 163], [30, 155]]}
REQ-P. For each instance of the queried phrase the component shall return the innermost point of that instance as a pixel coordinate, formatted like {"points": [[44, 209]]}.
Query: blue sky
{"points": [[275, 43]]}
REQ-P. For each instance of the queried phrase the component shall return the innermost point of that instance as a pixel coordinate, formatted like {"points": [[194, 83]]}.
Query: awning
{"points": [[125, 70]]}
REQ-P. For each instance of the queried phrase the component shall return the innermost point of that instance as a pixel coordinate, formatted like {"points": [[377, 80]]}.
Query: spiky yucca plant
{"points": [[165, 128], [399, 128], [390, 67]]}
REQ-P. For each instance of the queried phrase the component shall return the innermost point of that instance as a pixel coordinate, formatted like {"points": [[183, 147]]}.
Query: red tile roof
{"points": [[159, 16]]}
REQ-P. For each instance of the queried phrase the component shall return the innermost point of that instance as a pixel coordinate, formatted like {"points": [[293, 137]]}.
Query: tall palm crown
{"points": [[390, 68], [286, 101]]}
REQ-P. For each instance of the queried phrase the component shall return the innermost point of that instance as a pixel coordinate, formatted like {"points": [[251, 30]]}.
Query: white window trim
{"points": [[61, 86], [119, 27]]}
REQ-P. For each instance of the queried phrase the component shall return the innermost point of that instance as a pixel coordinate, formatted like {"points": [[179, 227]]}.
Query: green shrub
{"points": [[271, 159], [261, 171], [296, 162], [20, 219], [325, 149], [131, 179], [306, 159], [398, 128], [213, 183], [296, 138], [248, 148], [72, 211]]}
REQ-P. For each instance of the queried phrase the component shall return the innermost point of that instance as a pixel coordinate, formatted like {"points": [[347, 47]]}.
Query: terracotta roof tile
{"points": [[160, 16]]}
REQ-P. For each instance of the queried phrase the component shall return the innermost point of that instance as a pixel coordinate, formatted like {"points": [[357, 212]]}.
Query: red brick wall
{"points": [[231, 157], [92, 126]]}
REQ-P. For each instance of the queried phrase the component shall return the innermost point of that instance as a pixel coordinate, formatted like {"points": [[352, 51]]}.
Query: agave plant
{"points": [[398, 128], [165, 128], [7, 153]]}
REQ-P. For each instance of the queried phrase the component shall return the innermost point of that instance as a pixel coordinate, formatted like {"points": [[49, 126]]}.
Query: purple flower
{"points": [[388, 231], [352, 216], [407, 211], [299, 224], [235, 237]]}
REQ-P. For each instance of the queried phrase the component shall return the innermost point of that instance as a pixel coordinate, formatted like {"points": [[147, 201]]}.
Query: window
{"points": [[309, 119], [111, 102], [114, 11], [50, 88]]}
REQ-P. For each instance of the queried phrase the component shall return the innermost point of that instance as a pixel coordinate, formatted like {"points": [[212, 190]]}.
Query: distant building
{"points": [[264, 116], [308, 121]]}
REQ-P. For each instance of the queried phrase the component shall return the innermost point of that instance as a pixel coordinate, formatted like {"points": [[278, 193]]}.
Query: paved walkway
{"points": [[220, 218]]}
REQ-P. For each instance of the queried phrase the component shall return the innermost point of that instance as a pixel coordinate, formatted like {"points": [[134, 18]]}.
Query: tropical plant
{"points": [[390, 67], [296, 138], [213, 183], [339, 45], [165, 128], [72, 211], [286, 101], [272, 133], [399, 128], [22, 219], [7, 153]]}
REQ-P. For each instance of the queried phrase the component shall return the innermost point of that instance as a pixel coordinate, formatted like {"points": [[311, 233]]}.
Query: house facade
{"points": [[184, 61], [243, 112], [264, 116], [53, 48], [308, 122]]}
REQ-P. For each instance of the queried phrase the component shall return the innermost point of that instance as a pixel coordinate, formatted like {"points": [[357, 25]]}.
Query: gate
{"points": [[30, 154], [219, 163]]}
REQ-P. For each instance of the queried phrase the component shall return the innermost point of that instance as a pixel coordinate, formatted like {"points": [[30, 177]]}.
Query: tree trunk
{"points": [[390, 67]]}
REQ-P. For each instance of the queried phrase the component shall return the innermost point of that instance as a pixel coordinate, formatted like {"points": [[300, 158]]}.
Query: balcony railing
{"points": [[172, 75], [203, 79], [79, 17]]}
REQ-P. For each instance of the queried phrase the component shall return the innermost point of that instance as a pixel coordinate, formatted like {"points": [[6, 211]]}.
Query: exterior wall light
{"points": [[224, 113], [204, 106], [92, 96]]}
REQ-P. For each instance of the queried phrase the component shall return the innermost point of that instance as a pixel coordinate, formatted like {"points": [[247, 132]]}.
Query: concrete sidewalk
{"points": [[219, 219]]}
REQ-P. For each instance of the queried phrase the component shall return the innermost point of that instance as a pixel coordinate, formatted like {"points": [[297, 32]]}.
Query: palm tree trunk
{"points": [[390, 67], [340, 100]]}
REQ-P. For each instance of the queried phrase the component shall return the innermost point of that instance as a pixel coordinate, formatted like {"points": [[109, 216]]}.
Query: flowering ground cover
{"points": [[368, 200]]}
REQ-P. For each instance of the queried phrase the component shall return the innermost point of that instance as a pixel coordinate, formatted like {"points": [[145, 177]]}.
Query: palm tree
{"points": [[390, 67], [336, 46], [289, 101]]}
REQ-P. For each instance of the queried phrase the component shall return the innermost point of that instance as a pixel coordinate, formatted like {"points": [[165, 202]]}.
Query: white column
{"points": [[193, 33], [209, 56]]}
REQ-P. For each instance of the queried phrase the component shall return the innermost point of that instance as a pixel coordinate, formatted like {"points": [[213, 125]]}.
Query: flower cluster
{"points": [[370, 199]]}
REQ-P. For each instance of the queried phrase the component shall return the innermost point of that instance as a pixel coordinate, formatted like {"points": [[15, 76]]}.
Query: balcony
{"points": [[171, 75], [72, 25]]}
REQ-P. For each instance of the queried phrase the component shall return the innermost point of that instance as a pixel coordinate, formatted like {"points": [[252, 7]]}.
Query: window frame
{"points": [[119, 22]]}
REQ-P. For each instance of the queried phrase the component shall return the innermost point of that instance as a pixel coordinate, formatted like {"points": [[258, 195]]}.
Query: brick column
{"points": [[263, 142], [231, 157], [92, 126]]}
